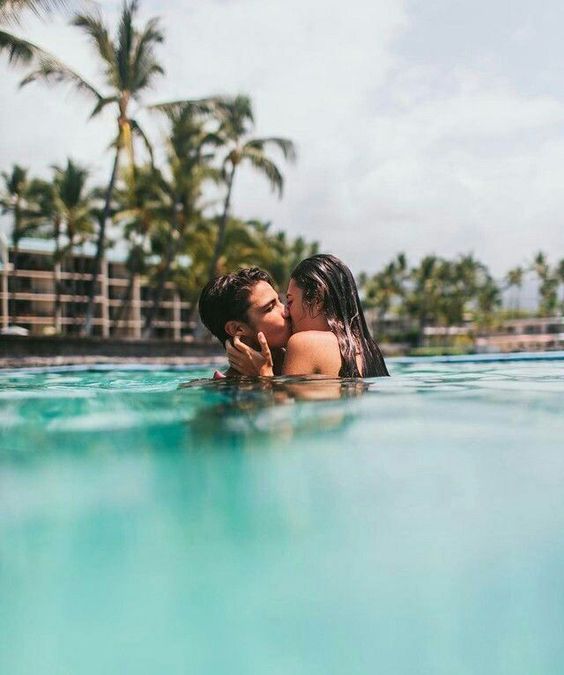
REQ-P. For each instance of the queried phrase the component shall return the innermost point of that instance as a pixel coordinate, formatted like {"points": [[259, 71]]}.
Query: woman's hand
{"points": [[247, 361]]}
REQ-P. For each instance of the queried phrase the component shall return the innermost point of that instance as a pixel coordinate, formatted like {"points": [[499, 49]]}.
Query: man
{"points": [[246, 305]]}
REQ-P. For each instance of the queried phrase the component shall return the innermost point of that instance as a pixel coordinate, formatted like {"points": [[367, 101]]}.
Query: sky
{"points": [[423, 127]]}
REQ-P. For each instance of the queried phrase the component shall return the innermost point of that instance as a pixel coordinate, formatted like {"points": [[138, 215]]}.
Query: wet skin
{"points": [[302, 316], [268, 315]]}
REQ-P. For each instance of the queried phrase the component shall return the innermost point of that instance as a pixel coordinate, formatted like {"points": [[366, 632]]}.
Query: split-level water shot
{"points": [[281, 338]]}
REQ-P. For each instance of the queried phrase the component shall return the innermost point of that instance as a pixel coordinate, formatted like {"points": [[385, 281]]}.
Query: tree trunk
{"points": [[13, 313], [422, 322], [171, 250], [222, 228], [100, 246], [157, 295], [77, 268], [57, 315], [125, 300], [57, 279]]}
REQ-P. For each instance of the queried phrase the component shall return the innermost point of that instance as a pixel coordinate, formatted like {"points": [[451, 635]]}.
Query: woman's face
{"points": [[302, 316]]}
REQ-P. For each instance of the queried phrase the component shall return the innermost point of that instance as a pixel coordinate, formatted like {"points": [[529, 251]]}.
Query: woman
{"points": [[330, 336]]}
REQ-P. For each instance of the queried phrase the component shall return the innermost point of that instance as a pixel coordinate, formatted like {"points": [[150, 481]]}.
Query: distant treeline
{"points": [[442, 292]]}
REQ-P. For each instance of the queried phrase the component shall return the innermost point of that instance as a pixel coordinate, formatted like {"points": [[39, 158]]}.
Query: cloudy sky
{"points": [[422, 127]]}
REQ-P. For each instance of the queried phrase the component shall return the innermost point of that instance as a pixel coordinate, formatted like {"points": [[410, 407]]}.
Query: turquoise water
{"points": [[415, 525]]}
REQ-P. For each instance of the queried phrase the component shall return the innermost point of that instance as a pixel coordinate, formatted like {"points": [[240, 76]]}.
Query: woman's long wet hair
{"points": [[327, 281]]}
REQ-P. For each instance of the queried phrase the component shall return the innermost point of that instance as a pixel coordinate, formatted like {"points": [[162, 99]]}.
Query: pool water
{"points": [[413, 524]]}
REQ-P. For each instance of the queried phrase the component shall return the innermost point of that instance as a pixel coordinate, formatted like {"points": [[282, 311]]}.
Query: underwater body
{"points": [[154, 521]]}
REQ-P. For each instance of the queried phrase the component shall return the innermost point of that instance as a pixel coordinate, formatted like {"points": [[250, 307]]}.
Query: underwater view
{"points": [[153, 521]]}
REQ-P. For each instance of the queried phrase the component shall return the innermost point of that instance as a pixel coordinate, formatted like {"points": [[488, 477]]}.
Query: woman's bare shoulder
{"points": [[313, 352], [312, 338]]}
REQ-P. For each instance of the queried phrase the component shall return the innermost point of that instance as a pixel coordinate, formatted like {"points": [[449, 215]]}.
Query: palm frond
{"points": [[143, 61], [102, 103], [94, 27], [236, 116], [202, 106], [11, 10], [203, 172], [266, 166], [52, 70], [20, 51], [284, 144], [124, 43], [142, 76], [211, 138], [138, 131]]}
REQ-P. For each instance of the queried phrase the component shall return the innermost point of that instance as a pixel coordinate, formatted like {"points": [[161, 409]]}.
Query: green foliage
{"points": [[549, 283], [130, 67], [20, 198], [437, 292], [233, 136]]}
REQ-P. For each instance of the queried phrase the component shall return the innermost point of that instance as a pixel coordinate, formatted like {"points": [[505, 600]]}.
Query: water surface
{"points": [[411, 525]]}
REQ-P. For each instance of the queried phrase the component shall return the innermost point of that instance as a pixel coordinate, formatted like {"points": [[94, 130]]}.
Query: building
{"points": [[518, 335], [512, 335], [28, 298]]}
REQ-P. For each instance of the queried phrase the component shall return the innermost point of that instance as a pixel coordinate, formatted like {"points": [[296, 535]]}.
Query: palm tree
{"points": [[423, 298], [283, 254], [161, 209], [560, 275], [234, 130], [136, 198], [73, 208], [548, 289], [465, 276], [247, 244], [514, 279], [18, 199], [488, 299], [130, 69], [387, 286], [190, 153]]}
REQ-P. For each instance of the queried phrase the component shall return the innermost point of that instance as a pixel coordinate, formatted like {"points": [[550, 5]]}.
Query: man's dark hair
{"points": [[226, 298]]}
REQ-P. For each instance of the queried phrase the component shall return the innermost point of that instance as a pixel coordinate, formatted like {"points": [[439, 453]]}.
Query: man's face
{"points": [[268, 315]]}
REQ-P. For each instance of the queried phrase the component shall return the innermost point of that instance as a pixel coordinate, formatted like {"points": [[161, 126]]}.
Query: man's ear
{"points": [[236, 328]]}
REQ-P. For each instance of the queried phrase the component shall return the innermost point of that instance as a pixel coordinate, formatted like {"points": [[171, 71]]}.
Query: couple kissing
{"points": [[320, 331]]}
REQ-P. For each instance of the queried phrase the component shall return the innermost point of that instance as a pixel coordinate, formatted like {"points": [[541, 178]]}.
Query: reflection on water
{"points": [[285, 389], [164, 414], [245, 409], [411, 524]]}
